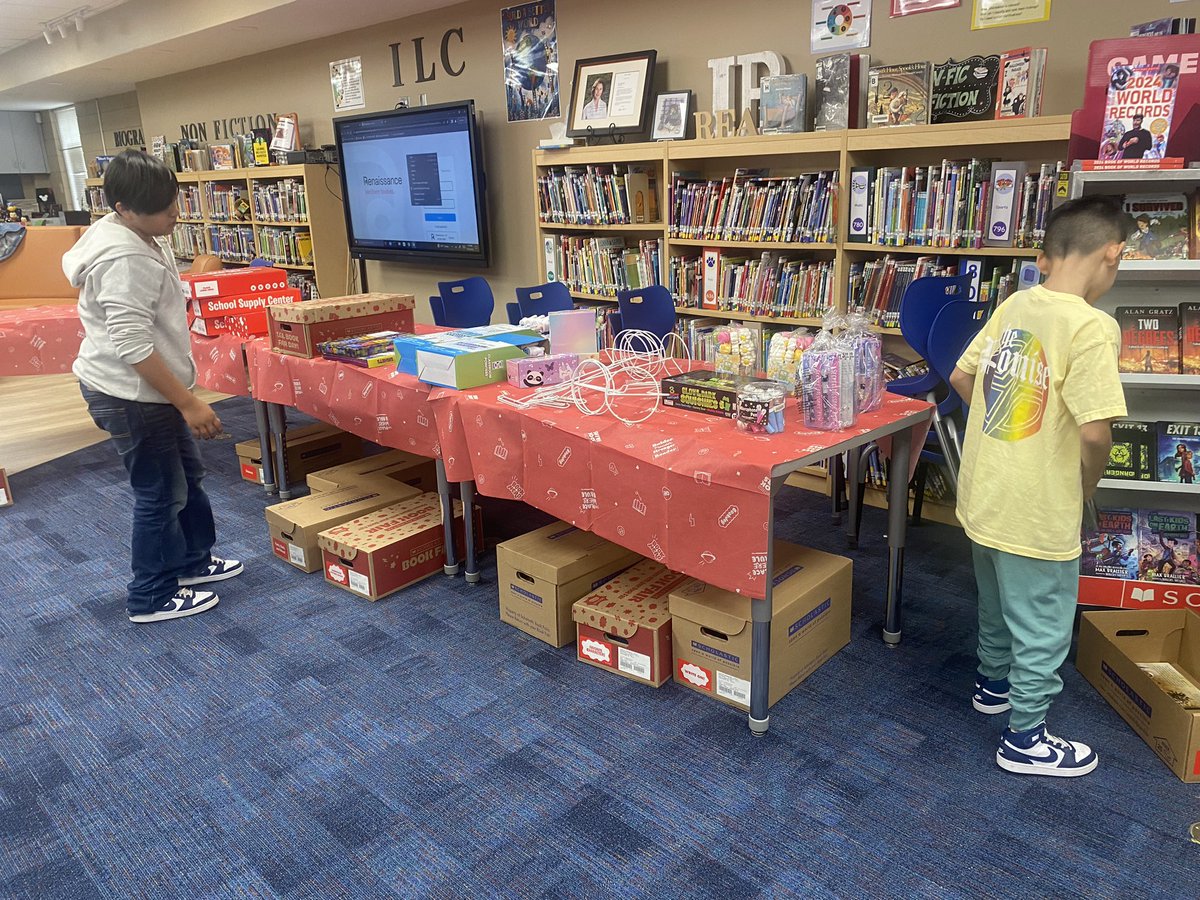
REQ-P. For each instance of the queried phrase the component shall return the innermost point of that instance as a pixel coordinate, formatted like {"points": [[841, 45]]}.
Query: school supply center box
{"points": [[1146, 664], [810, 622]]}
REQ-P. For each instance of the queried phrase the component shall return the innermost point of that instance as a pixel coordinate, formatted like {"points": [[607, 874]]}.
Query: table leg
{"points": [[277, 416], [760, 635], [897, 529], [854, 461], [264, 447], [443, 488], [471, 572]]}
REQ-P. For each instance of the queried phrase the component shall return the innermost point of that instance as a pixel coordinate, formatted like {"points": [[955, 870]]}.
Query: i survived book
{"points": [[898, 95], [1161, 226], [839, 99], [1167, 546], [965, 90], [1178, 451], [1134, 451], [1189, 338], [1110, 550], [1149, 339]]}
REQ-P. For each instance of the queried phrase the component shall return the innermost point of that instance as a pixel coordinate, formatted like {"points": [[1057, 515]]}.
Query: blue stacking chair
{"points": [[649, 309], [513, 310], [921, 303], [544, 299], [438, 309], [953, 329], [467, 303]]}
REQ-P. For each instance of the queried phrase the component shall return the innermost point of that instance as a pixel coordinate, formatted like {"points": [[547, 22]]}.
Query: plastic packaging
{"points": [[760, 408], [783, 356], [867, 348], [737, 353]]}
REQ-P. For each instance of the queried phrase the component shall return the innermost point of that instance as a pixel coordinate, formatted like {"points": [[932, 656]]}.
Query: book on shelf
{"points": [[965, 90], [1020, 83], [783, 104], [1189, 338], [1161, 226], [1167, 546], [710, 275], [896, 366], [799, 209], [1119, 57], [861, 179], [898, 95], [222, 156], [840, 93], [1149, 339], [1138, 112], [287, 132], [597, 194], [1176, 25], [1003, 206], [1134, 451], [602, 266], [1110, 550], [261, 143], [158, 147], [1178, 451]]}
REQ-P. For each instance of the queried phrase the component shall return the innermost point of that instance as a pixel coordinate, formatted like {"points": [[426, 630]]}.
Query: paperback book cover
{"points": [[1161, 226], [965, 90], [783, 104], [898, 95], [1110, 550], [839, 99], [1149, 339], [1189, 338], [1138, 112], [1015, 80], [221, 156], [1167, 546], [1134, 451], [1164, 27], [1178, 451]]}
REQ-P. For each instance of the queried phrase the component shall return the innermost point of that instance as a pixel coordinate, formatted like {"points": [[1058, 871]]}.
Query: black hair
{"points": [[1084, 226], [140, 183]]}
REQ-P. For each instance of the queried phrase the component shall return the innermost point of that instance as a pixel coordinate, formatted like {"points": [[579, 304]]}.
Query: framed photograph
{"points": [[611, 94], [672, 112]]}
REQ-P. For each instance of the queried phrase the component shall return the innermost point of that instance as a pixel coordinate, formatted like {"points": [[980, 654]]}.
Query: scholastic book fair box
{"points": [[1146, 664], [810, 622], [308, 449], [383, 551], [298, 328], [294, 525], [407, 468], [541, 574], [235, 301]]}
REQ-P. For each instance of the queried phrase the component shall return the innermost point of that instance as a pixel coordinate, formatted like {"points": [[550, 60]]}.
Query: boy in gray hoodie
{"points": [[136, 373]]}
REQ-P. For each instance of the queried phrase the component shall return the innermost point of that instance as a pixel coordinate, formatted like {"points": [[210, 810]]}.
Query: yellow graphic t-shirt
{"points": [[1045, 364]]}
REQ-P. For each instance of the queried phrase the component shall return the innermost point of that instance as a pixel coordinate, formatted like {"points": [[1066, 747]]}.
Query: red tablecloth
{"points": [[686, 489], [40, 340], [220, 363]]}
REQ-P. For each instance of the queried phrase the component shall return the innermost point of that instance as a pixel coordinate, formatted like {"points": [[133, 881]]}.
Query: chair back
{"points": [[205, 262], [258, 262], [923, 300], [467, 303], [543, 299], [438, 309], [952, 330], [514, 312], [647, 309]]}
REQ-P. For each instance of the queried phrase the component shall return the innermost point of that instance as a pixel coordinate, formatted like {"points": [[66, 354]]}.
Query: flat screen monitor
{"points": [[413, 184]]}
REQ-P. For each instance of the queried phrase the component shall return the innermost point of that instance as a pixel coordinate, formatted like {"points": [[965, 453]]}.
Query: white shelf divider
{"points": [[1164, 382], [1149, 487]]}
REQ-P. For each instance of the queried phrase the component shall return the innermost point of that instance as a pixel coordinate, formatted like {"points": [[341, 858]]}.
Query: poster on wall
{"points": [[838, 26], [345, 76], [991, 13], [909, 7], [530, 61]]}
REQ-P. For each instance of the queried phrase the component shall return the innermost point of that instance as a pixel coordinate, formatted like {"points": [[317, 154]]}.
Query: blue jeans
{"points": [[173, 530]]}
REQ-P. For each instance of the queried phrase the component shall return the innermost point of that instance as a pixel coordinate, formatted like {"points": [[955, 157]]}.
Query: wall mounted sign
{"points": [[750, 64], [909, 7], [223, 129], [839, 25], [530, 44], [131, 137], [345, 77], [424, 75], [991, 13]]}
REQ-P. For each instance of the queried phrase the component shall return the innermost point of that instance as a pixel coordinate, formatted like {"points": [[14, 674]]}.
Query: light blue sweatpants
{"points": [[1026, 613]]}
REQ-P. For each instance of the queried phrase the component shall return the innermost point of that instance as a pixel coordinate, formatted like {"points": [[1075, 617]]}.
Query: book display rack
{"points": [[282, 214]]}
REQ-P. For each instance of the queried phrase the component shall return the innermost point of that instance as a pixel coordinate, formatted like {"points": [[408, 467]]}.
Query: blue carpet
{"points": [[298, 742]]}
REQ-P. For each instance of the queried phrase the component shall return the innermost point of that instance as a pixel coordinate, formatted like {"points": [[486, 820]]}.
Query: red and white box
{"points": [[625, 625], [244, 325], [232, 282], [243, 304], [296, 329]]}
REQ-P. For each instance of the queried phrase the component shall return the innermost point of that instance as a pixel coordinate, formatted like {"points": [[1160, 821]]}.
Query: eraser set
{"points": [[760, 408], [868, 370], [828, 389], [539, 371]]}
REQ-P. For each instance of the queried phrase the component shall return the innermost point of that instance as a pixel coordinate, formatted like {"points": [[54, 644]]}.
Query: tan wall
{"points": [[100, 118], [686, 35]]}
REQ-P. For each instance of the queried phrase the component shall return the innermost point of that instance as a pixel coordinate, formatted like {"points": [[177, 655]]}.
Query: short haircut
{"points": [[1084, 226], [140, 183]]}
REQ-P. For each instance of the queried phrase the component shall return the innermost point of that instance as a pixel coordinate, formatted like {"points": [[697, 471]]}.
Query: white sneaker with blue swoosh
{"points": [[1037, 752], [218, 570]]}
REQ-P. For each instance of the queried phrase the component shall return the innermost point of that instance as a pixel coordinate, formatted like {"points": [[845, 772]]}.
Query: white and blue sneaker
{"points": [[990, 696], [185, 602], [218, 570], [1037, 752]]}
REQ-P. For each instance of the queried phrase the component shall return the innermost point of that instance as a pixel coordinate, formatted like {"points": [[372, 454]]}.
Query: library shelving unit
{"points": [[1034, 141], [1149, 397], [284, 214]]}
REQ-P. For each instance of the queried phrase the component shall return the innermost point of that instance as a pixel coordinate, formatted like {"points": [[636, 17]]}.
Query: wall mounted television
{"points": [[413, 184]]}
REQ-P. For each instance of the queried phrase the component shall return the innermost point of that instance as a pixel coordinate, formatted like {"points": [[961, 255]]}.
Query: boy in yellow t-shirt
{"points": [[1042, 384]]}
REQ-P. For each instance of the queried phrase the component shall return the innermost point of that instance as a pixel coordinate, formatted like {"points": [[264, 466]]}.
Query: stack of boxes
{"points": [[235, 301], [307, 449]]}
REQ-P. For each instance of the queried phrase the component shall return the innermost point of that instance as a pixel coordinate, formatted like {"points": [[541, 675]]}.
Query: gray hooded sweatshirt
{"points": [[131, 304]]}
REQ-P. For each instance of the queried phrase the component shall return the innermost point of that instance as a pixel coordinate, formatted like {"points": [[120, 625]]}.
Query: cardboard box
{"points": [[539, 371], [251, 323], [309, 449], [294, 525], [810, 622], [296, 329], [6, 497], [705, 392], [624, 625], [243, 304], [231, 282], [542, 573], [380, 553], [407, 468], [1146, 664], [467, 358]]}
